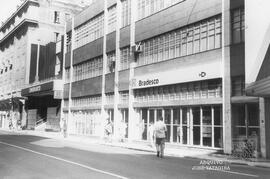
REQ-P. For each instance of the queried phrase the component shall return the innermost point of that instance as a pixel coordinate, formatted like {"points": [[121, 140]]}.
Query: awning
{"points": [[259, 88], [51, 88]]}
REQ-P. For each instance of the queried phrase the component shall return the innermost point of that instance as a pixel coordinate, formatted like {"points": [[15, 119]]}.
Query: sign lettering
{"points": [[34, 89]]}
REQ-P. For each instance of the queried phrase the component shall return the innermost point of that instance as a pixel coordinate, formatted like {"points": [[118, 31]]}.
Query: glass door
{"points": [[184, 135], [167, 121], [124, 113], [196, 118]]}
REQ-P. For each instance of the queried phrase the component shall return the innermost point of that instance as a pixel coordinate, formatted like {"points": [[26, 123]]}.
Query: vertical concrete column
{"points": [[70, 78], [226, 78], [24, 122], [132, 113], [103, 93], [117, 118], [265, 127]]}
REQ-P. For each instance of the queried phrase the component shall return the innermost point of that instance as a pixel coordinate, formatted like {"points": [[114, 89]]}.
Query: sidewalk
{"points": [[187, 152]]}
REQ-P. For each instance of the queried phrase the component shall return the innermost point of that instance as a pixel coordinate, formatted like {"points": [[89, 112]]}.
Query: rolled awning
{"points": [[259, 88]]}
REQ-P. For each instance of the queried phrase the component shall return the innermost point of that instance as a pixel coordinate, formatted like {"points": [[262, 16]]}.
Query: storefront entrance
{"points": [[198, 125]]}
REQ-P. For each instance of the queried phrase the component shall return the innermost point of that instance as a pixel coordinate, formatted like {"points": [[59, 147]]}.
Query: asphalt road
{"points": [[25, 156]]}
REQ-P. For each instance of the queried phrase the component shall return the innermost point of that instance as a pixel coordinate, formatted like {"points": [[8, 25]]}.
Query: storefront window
{"points": [[144, 124], [218, 132], [246, 120], [196, 125], [207, 126], [168, 123], [200, 125], [176, 125]]}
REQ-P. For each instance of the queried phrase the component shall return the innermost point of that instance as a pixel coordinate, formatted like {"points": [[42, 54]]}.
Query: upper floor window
{"points": [[111, 19], [238, 25], [124, 58], [56, 17], [89, 31], [194, 38], [126, 13], [148, 7]]}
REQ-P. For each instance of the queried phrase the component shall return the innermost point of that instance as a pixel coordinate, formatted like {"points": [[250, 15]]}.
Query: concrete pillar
{"points": [[226, 78], [132, 114], [264, 106], [68, 123], [103, 93]]}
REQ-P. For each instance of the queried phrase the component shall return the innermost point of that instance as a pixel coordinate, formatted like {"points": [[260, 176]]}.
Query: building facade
{"points": [[23, 37], [183, 60]]}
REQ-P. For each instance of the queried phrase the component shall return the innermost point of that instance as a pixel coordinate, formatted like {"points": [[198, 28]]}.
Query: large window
{"points": [[238, 25], [89, 31], [111, 19], [148, 7], [198, 125], [88, 69], [85, 122], [126, 13], [184, 91], [195, 38], [86, 101], [124, 58], [245, 120]]}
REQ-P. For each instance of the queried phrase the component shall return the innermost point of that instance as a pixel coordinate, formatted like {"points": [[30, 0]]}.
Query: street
{"points": [[25, 156]]}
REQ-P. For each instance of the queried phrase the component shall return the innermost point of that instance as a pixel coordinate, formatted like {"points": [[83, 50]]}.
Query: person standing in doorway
{"points": [[160, 130]]}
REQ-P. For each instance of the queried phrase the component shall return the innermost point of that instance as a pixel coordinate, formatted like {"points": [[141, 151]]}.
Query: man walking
{"points": [[160, 130]]}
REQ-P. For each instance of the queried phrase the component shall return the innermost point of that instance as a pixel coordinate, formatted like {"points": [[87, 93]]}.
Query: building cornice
{"points": [[24, 4], [23, 22]]}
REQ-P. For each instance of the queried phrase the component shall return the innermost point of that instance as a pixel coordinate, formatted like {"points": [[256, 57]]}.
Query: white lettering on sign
{"points": [[34, 89], [148, 82]]}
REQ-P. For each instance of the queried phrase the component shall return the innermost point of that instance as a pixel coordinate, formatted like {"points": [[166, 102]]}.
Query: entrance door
{"points": [[185, 134]]}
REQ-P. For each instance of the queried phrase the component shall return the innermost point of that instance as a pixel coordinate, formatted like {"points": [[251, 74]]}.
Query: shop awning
{"points": [[259, 88]]}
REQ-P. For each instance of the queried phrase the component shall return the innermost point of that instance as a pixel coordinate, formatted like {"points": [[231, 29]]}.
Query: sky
{"points": [[7, 8]]}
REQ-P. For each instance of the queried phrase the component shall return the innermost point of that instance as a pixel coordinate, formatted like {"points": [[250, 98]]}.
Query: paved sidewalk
{"points": [[188, 152]]}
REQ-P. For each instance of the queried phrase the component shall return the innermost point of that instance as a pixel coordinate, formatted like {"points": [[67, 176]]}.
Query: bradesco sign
{"points": [[181, 75], [148, 82]]}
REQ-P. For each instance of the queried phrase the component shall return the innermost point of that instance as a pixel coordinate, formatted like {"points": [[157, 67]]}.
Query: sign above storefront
{"points": [[34, 89], [190, 73]]}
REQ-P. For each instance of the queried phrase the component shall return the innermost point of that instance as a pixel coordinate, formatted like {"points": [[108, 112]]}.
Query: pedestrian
{"points": [[179, 134], [151, 134], [160, 130], [65, 128], [108, 130]]}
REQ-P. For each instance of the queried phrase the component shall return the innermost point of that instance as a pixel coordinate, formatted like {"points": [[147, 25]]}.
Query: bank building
{"points": [[190, 62]]}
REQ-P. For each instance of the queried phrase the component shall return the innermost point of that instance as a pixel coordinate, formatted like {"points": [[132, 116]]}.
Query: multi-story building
{"points": [[26, 63], [183, 60]]}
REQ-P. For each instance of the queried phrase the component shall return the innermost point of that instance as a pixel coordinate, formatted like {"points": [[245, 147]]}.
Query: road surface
{"points": [[26, 156]]}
